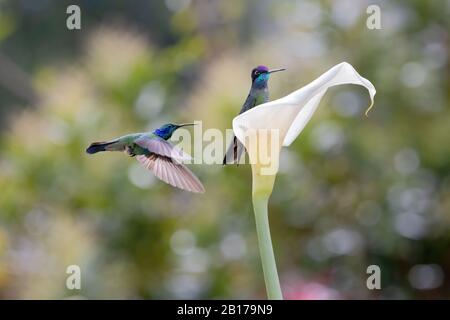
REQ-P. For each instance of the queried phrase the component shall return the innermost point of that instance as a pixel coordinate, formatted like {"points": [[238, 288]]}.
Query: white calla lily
{"points": [[267, 127]]}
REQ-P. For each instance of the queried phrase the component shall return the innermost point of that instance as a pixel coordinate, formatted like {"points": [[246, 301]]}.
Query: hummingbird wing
{"points": [[249, 103], [163, 148], [175, 174]]}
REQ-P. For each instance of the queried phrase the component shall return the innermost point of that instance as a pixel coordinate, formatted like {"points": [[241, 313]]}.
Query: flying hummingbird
{"points": [[259, 93], [156, 154]]}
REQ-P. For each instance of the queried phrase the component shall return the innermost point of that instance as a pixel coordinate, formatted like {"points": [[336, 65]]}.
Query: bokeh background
{"points": [[352, 191]]}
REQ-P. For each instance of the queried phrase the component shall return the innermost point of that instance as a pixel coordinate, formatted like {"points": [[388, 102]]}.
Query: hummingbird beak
{"points": [[276, 70], [186, 124]]}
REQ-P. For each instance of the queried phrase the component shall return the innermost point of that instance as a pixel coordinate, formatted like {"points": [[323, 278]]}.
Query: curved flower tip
{"points": [[368, 109], [290, 114]]}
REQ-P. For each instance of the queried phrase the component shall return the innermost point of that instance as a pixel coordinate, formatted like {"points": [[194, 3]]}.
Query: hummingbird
{"points": [[156, 154], [259, 93]]}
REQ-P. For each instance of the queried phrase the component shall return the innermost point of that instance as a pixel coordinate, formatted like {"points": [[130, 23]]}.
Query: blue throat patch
{"points": [[163, 133], [262, 79]]}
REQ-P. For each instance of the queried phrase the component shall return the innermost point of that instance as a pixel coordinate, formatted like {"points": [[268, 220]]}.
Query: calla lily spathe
{"points": [[290, 114]]}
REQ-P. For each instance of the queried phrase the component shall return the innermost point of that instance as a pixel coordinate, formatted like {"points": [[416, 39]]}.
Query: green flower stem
{"points": [[262, 188]]}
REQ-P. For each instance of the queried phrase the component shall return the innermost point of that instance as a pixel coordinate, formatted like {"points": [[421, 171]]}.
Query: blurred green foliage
{"points": [[352, 191]]}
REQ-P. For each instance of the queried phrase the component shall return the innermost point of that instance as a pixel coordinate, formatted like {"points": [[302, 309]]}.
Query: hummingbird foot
{"points": [[130, 151]]}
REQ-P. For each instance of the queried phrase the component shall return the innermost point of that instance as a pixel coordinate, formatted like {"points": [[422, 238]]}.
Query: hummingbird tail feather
{"points": [[240, 151], [98, 147], [234, 152]]}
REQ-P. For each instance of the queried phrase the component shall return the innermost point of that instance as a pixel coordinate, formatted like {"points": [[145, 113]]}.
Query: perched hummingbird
{"points": [[156, 154], [259, 93]]}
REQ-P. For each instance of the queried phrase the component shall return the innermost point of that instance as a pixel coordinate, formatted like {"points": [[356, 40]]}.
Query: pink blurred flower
{"points": [[309, 290]]}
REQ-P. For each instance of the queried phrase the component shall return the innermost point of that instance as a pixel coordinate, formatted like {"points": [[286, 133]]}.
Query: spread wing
{"points": [[175, 174], [162, 148]]}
